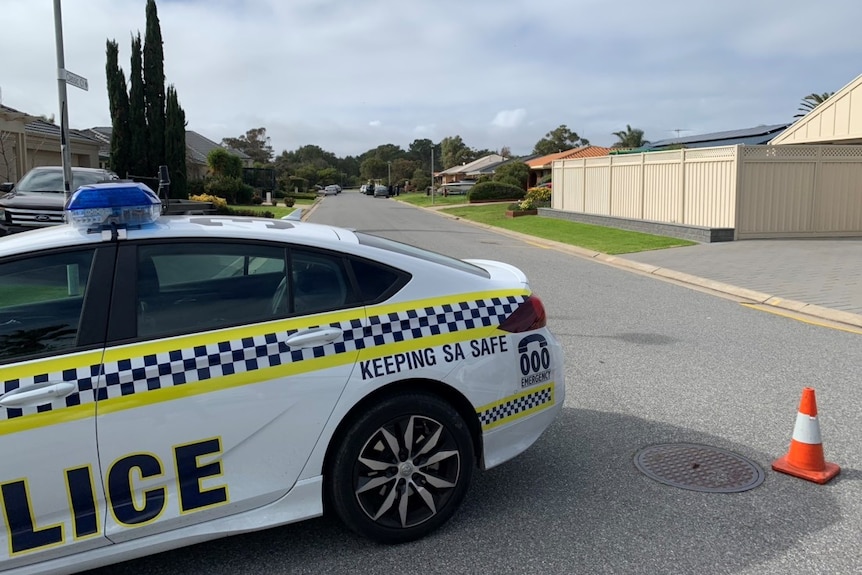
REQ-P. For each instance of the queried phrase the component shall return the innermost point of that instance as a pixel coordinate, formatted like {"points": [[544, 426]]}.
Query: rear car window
{"points": [[420, 253]]}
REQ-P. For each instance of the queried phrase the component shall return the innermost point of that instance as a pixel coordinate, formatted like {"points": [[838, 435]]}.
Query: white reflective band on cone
{"points": [[806, 429]]}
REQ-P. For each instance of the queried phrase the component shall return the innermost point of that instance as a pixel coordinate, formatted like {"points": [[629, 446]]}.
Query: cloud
{"points": [[374, 123], [509, 118], [315, 71]]}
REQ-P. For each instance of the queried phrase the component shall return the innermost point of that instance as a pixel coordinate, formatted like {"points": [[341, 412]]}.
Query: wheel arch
{"points": [[446, 392]]}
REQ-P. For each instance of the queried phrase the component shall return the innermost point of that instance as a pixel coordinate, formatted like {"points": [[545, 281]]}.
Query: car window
{"points": [[41, 298], [189, 287], [52, 180], [376, 282], [319, 282]]}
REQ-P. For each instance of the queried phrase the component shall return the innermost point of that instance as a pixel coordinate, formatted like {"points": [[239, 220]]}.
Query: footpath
{"points": [[820, 278]]}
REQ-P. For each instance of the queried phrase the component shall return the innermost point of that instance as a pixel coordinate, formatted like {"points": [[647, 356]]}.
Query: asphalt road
{"points": [[647, 362]]}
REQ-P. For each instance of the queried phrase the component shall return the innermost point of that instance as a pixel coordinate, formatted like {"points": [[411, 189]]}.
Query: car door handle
{"points": [[314, 337], [34, 395]]}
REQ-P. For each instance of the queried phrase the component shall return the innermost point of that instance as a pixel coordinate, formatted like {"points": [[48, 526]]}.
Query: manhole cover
{"points": [[699, 468]]}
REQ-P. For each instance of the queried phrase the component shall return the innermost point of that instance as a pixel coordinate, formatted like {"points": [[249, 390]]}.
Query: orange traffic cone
{"points": [[805, 458]]}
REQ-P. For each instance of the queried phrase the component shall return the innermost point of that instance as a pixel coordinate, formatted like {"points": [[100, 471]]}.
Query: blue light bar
{"points": [[124, 204]]}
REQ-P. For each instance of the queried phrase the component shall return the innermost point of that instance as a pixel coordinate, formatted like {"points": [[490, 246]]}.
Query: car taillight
{"points": [[530, 315]]}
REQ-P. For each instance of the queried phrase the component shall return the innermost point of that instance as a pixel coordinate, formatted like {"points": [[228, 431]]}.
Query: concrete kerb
{"points": [[751, 296]]}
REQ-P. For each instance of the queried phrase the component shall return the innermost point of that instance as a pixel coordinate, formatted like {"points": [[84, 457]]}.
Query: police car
{"points": [[169, 380]]}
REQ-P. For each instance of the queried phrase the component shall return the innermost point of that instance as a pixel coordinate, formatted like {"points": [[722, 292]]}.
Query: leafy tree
{"points": [[558, 140], [515, 173], [420, 151], [421, 179], [328, 176], [118, 101], [254, 143], [224, 164], [811, 101], [373, 168], [140, 136], [385, 152], [631, 138], [154, 88], [455, 152], [403, 169], [175, 144]]}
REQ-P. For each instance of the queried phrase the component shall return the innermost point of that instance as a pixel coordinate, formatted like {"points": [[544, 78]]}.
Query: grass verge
{"points": [[278, 211], [598, 238], [424, 201]]}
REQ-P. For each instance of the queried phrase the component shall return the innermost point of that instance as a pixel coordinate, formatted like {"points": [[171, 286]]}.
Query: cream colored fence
{"points": [[760, 191]]}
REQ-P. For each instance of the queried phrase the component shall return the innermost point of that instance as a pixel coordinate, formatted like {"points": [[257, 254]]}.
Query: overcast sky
{"points": [[349, 75]]}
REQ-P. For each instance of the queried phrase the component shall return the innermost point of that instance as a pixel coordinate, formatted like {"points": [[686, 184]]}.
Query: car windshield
{"points": [[52, 180]]}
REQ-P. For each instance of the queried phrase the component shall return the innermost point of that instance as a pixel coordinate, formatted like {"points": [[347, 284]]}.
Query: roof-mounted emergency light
{"points": [[113, 205]]}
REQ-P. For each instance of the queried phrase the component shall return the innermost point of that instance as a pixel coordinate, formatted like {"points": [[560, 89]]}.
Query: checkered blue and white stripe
{"points": [[142, 373], [516, 406]]}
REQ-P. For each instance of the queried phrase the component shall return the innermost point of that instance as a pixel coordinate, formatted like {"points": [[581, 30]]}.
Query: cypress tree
{"points": [[175, 144], [139, 134], [118, 101], [154, 87]]}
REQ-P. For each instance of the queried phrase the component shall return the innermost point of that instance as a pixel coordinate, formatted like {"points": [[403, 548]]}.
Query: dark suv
{"points": [[37, 200]]}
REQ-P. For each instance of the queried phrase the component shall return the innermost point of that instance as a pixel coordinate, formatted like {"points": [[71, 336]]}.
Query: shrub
{"points": [[288, 202], [495, 191], [535, 198], [248, 212], [217, 202], [517, 173], [196, 187], [256, 199]]}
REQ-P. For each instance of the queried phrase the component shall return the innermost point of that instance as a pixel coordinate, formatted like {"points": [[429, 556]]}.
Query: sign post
{"points": [[64, 77]]}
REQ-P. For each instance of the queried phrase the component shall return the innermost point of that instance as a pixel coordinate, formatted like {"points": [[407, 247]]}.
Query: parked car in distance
{"points": [[369, 189], [381, 191], [329, 191], [363, 188]]}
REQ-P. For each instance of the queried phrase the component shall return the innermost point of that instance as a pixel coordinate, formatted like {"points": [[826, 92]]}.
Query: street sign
{"points": [[74, 79]]}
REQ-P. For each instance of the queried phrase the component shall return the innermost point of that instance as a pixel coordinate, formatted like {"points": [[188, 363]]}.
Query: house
{"points": [[755, 136], [458, 173], [541, 166], [197, 148], [838, 120], [28, 141], [781, 181]]}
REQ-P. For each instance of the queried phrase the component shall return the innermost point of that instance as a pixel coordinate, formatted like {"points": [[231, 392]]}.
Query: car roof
{"points": [[186, 227]]}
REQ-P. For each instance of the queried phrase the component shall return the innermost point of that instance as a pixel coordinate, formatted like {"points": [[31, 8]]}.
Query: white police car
{"points": [[168, 380]]}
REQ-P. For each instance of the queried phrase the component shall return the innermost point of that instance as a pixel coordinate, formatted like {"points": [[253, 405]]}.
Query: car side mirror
{"points": [[6, 187]]}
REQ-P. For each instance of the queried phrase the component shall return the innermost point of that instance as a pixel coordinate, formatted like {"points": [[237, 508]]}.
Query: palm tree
{"points": [[631, 138], [811, 101]]}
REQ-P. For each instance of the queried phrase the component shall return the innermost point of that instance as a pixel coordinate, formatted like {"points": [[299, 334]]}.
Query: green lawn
{"points": [[597, 238], [425, 201], [280, 210]]}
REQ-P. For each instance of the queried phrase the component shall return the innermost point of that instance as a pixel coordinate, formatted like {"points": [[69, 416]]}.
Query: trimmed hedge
{"points": [[486, 191]]}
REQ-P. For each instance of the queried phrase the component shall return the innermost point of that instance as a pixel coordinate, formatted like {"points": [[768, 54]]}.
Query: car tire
{"points": [[395, 497]]}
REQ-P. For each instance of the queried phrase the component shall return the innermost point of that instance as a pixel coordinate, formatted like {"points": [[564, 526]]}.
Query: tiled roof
{"points": [[581, 152], [197, 146], [200, 146], [43, 128]]}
